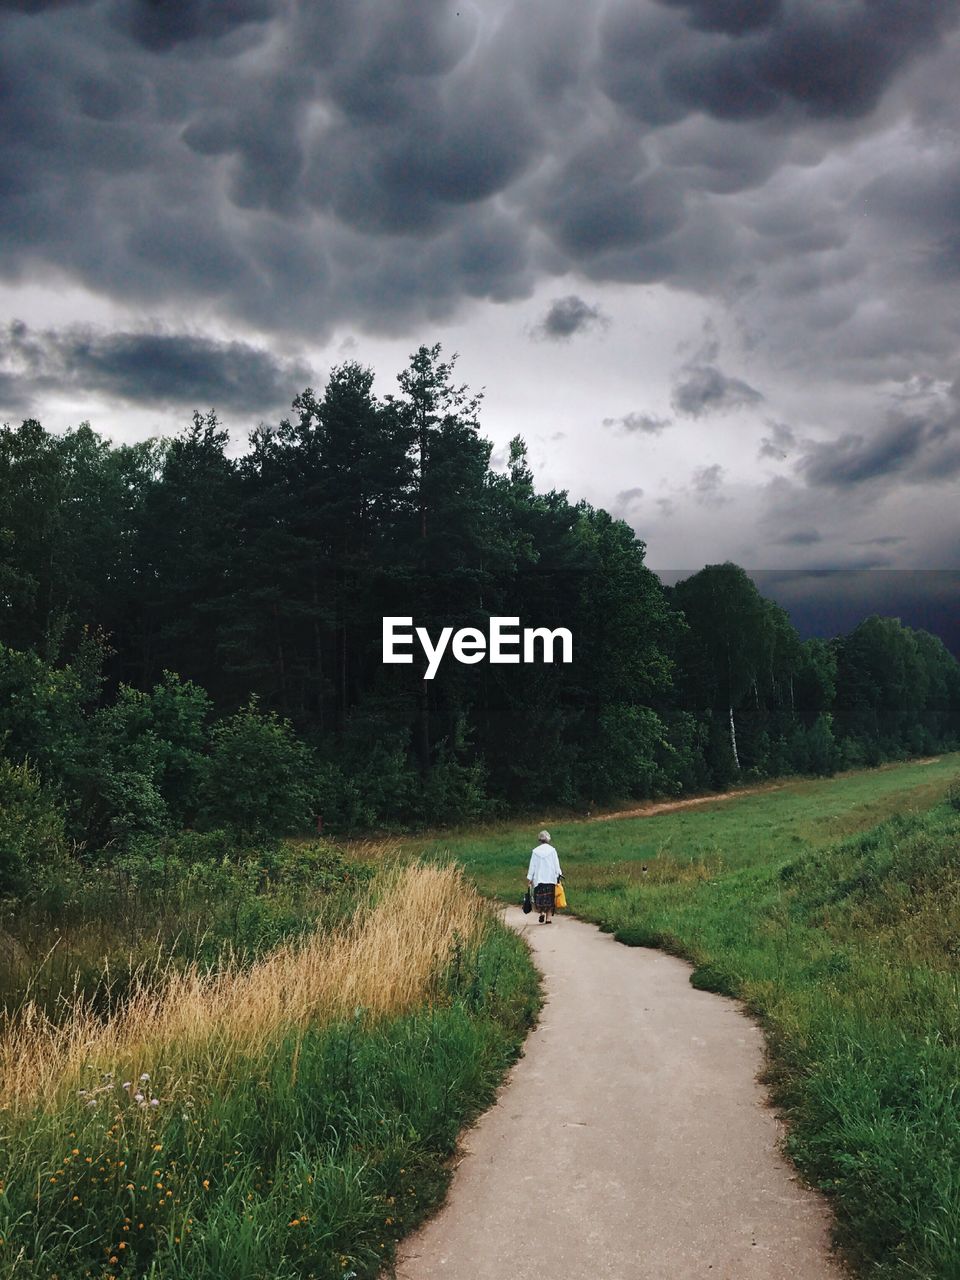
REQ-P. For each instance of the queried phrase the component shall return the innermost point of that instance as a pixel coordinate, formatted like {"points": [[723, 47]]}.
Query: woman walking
{"points": [[543, 875]]}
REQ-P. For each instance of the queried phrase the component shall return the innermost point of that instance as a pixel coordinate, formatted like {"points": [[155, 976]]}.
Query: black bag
{"points": [[526, 905]]}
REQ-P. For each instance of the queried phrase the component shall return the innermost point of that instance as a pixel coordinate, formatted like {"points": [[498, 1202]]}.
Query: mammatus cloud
{"points": [[153, 369], [360, 162], [647, 424], [296, 170], [569, 316], [702, 389]]}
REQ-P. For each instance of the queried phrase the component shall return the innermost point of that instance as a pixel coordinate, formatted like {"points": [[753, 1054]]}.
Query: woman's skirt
{"points": [[543, 897]]}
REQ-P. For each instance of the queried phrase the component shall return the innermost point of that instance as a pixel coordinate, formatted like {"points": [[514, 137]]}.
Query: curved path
{"points": [[631, 1142]]}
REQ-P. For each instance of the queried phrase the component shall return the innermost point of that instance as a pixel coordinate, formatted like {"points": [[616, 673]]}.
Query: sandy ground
{"points": [[631, 1142]]}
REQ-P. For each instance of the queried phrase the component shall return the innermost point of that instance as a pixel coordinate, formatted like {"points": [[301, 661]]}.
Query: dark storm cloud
{"points": [[915, 449], [734, 17], [298, 167], [703, 389], [832, 602], [148, 368], [646, 424], [159, 26], [316, 163], [568, 316], [828, 59]]}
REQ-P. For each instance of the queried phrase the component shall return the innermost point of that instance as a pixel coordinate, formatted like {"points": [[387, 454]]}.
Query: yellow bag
{"points": [[560, 898]]}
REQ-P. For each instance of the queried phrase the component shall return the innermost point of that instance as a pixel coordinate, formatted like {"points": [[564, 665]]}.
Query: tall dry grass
{"points": [[382, 961]]}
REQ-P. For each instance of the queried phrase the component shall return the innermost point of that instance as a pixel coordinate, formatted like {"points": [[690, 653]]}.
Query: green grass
{"points": [[832, 907], [310, 1162]]}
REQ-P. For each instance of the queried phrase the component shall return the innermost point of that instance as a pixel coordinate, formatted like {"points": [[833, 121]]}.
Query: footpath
{"points": [[631, 1142]]}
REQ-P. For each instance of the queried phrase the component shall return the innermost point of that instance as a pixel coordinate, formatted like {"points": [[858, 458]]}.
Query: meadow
{"points": [[259, 1066], [285, 1110], [832, 909]]}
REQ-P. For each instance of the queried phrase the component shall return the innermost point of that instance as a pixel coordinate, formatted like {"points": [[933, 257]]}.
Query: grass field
{"points": [[282, 1099], [287, 1115], [832, 907]]}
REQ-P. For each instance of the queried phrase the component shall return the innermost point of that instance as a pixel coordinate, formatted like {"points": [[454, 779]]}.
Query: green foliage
{"points": [[31, 827], [259, 778], [454, 793], [142, 762], [42, 714], [268, 576]]}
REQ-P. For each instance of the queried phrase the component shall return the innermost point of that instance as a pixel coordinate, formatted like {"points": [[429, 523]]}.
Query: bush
{"points": [[953, 794], [31, 827], [260, 778], [454, 793]]}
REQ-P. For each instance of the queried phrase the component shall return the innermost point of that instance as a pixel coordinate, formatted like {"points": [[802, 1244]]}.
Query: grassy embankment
{"points": [[833, 909], [287, 1113]]}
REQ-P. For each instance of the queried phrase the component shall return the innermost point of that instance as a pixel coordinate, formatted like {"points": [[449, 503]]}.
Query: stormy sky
{"points": [[703, 255]]}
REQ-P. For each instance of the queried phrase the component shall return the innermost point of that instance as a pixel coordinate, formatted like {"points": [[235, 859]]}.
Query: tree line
{"points": [[179, 626]]}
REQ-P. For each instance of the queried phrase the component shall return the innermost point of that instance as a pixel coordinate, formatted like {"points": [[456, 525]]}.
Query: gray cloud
{"points": [[702, 388], [155, 369], [707, 483], [569, 316], [159, 27], [300, 166], [647, 424], [626, 497], [827, 60], [914, 449], [799, 538], [292, 170], [779, 443]]}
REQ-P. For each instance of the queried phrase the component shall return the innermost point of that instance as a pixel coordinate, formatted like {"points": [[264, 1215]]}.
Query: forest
{"points": [[193, 639]]}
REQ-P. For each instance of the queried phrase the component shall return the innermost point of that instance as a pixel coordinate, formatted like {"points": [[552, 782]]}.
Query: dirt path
{"points": [[631, 1142], [668, 806]]}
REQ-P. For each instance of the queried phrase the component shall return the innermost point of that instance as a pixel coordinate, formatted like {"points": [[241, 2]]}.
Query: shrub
{"points": [[259, 778], [31, 827]]}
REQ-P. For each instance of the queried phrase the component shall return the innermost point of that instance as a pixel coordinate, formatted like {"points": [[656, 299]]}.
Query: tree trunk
{"points": [[733, 740], [423, 477]]}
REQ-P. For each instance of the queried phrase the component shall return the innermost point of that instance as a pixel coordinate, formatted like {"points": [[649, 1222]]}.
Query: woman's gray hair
{"points": [[544, 835]]}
